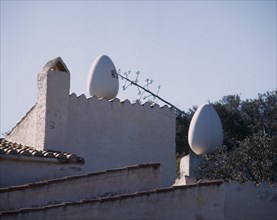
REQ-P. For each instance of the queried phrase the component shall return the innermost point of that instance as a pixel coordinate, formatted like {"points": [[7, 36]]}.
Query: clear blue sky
{"points": [[197, 51]]}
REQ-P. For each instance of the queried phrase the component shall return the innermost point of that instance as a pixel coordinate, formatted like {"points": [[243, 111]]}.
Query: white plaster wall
{"points": [[52, 109], [225, 201], [248, 201], [202, 202], [20, 172], [44, 126], [114, 134], [107, 134], [189, 165], [25, 131], [85, 187]]}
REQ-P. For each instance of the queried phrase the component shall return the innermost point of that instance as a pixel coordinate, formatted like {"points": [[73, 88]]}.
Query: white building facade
{"points": [[106, 133]]}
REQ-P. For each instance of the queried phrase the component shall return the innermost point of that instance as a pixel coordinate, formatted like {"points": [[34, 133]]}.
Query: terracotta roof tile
{"points": [[10, 148]]}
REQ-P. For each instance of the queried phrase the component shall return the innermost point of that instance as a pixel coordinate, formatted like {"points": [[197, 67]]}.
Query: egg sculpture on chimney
{"points": [[205, 130], [101, 82]]}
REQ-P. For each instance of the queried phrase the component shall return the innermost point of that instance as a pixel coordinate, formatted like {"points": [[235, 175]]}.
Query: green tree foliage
{"points": [[250, 140], [249, 150], [261, 114], [244, 118], [253, 159], [182, 129], [229, 110]]}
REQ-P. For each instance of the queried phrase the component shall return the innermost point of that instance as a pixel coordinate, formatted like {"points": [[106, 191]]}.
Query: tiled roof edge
{"points": [[46, 182], [13, 151], [114, 198], [35, 159]]}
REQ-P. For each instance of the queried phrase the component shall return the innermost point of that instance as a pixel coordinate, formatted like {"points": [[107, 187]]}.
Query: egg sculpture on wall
{"points": [[205, 130], [100, 81]]}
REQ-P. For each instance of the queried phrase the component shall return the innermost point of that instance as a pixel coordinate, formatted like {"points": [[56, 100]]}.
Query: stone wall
{"points": [[81, 187]]}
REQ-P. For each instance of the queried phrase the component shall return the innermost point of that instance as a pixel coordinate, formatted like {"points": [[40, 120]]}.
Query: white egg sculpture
{"points": [[100, 81], [205, 130]]}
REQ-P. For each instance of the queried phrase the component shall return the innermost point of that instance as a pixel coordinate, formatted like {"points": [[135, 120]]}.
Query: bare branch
{"points": [[143, 89]]}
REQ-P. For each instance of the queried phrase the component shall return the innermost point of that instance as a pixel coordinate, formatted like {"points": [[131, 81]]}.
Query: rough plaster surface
{"points": [[248, 201], [83, 187], [44, 126], [189, 165], [25, 131], [224, 201], [16, 172], [106, 133], [52, 108], [114, 134], [188, 203]]}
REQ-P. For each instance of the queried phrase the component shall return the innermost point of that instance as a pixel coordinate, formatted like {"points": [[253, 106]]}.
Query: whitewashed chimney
{"points": [[52, 105]]}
